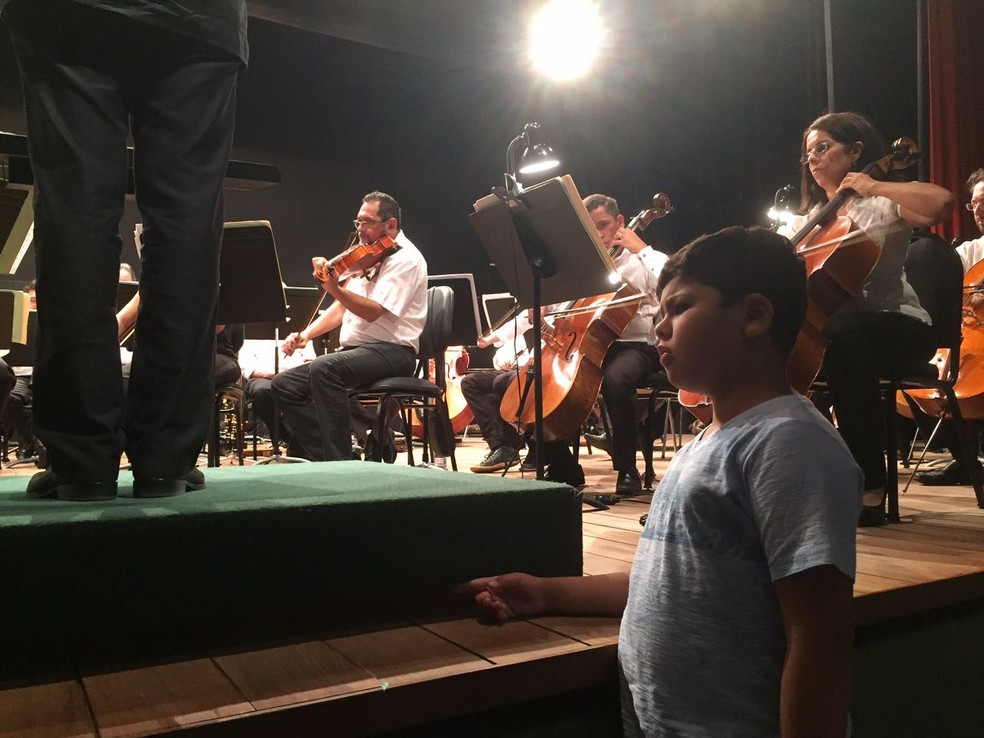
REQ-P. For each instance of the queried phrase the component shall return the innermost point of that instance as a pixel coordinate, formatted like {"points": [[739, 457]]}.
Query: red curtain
{"points": [[955, 30]]}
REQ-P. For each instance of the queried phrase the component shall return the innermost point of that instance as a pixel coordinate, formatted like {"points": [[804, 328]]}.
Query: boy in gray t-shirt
{"points": [[738, 611]]}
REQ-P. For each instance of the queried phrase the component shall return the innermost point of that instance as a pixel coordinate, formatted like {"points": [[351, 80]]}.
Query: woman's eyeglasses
{"points": [[819, 150]]}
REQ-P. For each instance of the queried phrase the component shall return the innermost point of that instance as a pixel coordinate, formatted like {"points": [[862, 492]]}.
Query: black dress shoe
{"points": [[872, 516], [25, 452], [574, 476], [162, 487], [47, 484], [629, 483], [952, 474], [529, 462]]}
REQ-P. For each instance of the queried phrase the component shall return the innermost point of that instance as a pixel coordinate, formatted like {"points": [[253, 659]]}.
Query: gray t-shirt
{"points": [[774, 492]]}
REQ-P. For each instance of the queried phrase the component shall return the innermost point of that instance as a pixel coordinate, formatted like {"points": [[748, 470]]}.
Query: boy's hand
{"points": [[507, 596]]}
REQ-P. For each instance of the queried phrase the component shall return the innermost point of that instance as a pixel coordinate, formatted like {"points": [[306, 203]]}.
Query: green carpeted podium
{"points": [[262, 553]]}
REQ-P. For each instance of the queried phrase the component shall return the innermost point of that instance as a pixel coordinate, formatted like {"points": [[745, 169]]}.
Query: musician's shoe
{"points": [[872, 516], [599, 441], [497, 460], [384, 452], [529, 462], [47, 484], [629, 483], [952, 474], [25, 451], [574, 475], [146, 487]]}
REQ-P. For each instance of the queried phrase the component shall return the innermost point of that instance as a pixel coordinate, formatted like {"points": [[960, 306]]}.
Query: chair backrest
{"points": [[934, 270], [437, 328]]}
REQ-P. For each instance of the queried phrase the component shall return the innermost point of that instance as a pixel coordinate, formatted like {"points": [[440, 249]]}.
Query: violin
{"points": [[839, 257], [356, 258]]}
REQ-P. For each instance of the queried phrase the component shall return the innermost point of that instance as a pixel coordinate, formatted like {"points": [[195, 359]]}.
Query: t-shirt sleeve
{"points": [[805, 491]]}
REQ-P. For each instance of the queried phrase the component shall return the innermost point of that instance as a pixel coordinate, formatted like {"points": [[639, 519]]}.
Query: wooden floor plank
{"points": [[595, 564], [56, 710], [611, 549], [295, 673], [406, 654], [593, 631], [154, 699]]}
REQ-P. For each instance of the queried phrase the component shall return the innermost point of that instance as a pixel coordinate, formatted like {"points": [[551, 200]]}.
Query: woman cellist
{"points": [[884, 324]]}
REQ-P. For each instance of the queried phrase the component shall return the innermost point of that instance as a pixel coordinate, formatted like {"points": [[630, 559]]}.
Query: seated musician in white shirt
{"points": [[381, 313], [260, 365]]}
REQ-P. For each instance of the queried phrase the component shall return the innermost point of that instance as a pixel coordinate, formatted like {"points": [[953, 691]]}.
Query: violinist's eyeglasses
{"points": [[974, 205], [365, 223], [819, 150]]}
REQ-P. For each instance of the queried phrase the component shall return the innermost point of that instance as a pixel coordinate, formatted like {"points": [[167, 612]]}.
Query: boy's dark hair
{"points": [[387, 206], [740, 261]]}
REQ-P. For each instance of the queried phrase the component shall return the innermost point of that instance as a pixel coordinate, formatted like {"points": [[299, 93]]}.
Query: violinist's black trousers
{"points": [[89, 77]]}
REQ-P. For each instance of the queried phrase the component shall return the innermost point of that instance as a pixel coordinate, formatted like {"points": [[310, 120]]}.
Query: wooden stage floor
{"points": [[387, 666]]}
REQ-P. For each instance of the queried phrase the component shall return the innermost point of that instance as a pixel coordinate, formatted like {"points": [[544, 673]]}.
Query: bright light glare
{"points": [[565, 38], [539, 166], [614, 277], [783, 216]]}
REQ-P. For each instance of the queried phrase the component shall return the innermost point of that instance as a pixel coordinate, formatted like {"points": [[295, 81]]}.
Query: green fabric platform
{"points": [[268, 544]]}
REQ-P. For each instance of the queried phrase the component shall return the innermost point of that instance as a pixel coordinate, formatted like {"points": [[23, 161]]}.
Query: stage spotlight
{"points": [[565, 38]]}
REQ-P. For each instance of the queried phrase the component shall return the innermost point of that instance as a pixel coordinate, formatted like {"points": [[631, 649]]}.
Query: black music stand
{"points": [[547, 250], [251, 289]]}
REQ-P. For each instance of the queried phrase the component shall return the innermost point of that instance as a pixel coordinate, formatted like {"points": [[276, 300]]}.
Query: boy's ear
{"points": [[757, 315]]}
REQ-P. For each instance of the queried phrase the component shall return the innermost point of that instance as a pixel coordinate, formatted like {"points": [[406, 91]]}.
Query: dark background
{"points": [[705, 101]]}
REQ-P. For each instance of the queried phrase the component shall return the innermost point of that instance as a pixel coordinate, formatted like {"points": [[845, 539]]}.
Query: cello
{"points": [[574, 349], [839, 257], [969, 385], [456, 361]]}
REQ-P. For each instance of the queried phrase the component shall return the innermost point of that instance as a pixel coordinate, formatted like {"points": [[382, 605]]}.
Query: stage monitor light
{"points": [[565, 38]]}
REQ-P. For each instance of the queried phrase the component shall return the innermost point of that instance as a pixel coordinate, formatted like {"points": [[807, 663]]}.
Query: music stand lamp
{"points": [[536, 157]]}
